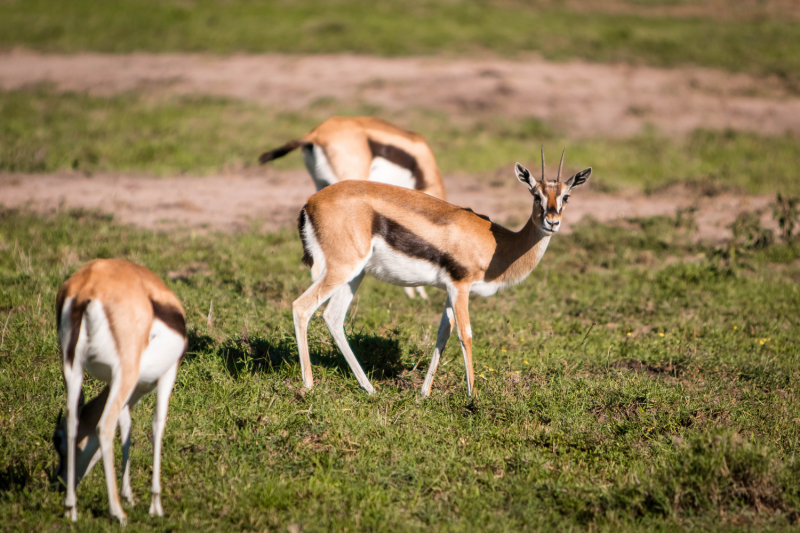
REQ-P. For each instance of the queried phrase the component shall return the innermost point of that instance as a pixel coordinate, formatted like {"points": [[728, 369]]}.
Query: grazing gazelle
{"points": [[121, 323], [407, 238], [366, 148]]}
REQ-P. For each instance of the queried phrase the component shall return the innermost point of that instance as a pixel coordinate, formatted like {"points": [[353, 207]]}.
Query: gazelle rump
{"points": [[411, 239], [366, 148], [122, 324]]}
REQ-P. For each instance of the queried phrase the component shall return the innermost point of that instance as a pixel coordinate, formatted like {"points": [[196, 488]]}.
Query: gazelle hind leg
{"points": [[125, 437], [302, 310], [73, 381], [419, 290], [334, 316], [445, 327], [119, 392], [165, 384]]}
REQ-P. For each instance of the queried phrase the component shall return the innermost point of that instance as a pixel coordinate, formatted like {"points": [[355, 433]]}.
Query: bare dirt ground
{"points": [[582, 98], [272, 199]]}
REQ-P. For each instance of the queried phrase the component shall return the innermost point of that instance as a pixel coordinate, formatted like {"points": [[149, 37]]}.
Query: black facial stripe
{"points": [[400, 158], [411, 244], [171, 316]]}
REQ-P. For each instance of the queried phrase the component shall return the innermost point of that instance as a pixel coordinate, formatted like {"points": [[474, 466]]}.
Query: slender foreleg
{"points": [[461, 308], [302, 310], [165, 384], [445, 327], [334, 316]]}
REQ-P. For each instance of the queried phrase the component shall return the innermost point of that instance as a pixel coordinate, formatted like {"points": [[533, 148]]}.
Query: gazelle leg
{"points": [[119, 392], [316, 271], [165, 384], [334, 316], [125, 437], [419, 290], [73, 381], [461, 308], [445, 327], [302, 310]]}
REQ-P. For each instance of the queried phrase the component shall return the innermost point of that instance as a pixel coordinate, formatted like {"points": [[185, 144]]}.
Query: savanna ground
{"points": [[643, 378]]}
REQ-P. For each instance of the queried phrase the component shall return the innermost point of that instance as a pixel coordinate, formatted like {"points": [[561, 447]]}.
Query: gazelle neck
{"points": [[517, 253]]}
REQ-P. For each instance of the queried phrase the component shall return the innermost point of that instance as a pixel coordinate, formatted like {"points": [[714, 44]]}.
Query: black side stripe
{"points": [[411, 244], [400, 158], [308, 259], [171, 316], [75, 319]]}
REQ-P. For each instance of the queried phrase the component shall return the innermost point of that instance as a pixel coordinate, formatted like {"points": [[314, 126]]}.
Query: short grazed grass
{"points": [[766, 42], [43, 131], [635, 381]]}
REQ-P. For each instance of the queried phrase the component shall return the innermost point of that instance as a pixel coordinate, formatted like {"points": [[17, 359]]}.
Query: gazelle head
{"points": [[549, 197]]}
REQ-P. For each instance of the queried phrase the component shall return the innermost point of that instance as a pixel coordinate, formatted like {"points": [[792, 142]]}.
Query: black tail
{"points": [[308, 259], [266, 157]]}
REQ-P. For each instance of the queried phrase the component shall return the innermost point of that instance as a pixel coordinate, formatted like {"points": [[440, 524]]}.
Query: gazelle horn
{"points": [[542, 162], [561, 165]]}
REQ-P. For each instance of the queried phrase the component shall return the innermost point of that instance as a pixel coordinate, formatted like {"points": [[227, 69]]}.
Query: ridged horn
{"points": [[561, 165], [542, 162]]}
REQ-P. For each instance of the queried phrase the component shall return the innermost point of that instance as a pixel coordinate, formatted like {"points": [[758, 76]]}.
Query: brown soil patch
{"points": [[270, 199], [711, 9], [582, 98]]}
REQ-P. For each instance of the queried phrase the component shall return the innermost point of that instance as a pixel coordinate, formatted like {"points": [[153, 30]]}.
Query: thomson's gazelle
{"points": [[412, 239], [121, 323], [366, 148]]}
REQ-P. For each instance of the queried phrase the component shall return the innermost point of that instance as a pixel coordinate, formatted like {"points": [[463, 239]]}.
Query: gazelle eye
{"points": [[565, 199]]}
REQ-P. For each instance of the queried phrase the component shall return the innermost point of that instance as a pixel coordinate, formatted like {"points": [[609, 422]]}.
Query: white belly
{"points": [[384, 171], [163, 351], [396, 268]]}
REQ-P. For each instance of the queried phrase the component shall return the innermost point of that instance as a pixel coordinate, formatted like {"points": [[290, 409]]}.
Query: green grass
{"points": [[634, 382], [763, 45], [42, 131]]}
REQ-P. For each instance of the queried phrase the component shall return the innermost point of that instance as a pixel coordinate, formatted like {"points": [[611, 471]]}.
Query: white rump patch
{"points": [[313, 247], [96, 347], [318, 166], [384, 171]]}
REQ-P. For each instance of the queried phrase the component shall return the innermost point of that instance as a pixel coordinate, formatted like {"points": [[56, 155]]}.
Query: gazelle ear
{"points": [[580, 178], [523, 175]]}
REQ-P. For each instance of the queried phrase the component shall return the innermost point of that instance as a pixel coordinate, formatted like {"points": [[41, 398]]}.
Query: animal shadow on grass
{"points": [[380, 357], [14, 478]]}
